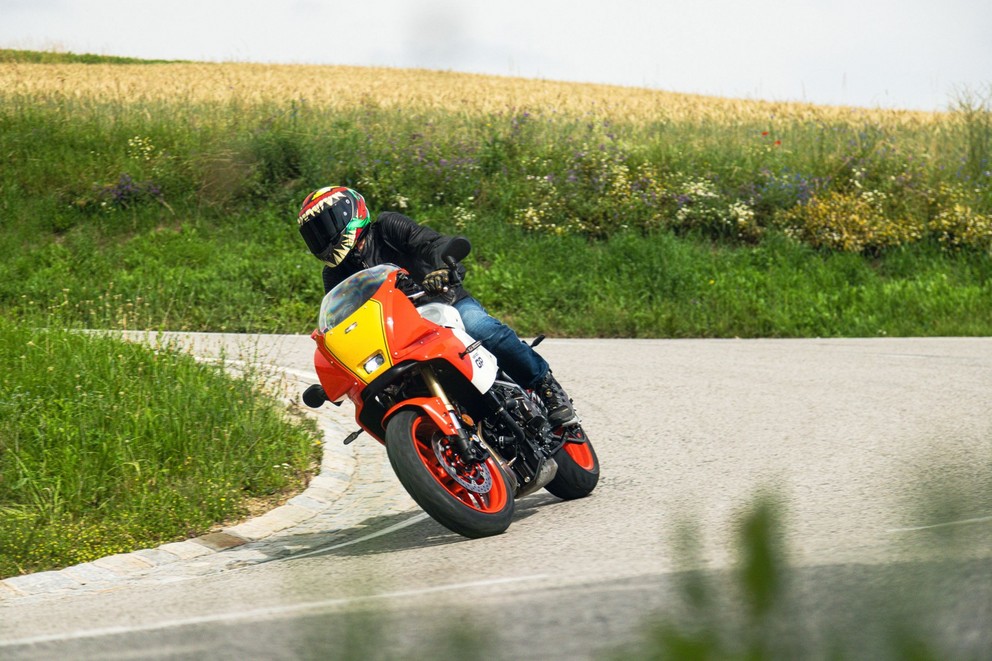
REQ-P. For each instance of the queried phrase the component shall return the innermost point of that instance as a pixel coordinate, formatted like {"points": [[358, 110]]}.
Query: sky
{"points": [[911, 54]]}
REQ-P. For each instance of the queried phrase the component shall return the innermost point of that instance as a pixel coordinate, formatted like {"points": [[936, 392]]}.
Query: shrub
{"points": [[701, 209], [957, 224], [851, 222]]}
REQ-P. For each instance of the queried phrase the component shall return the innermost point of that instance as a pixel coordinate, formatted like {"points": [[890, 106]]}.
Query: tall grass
{"points": [[252, 274], [107, 446], [58, 57]]}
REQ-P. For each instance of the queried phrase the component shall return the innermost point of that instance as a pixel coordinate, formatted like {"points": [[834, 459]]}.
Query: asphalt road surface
{"points": [[878, 453]]}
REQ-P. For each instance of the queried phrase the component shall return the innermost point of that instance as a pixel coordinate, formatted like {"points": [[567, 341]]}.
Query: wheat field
{"points": [[340, 87]]}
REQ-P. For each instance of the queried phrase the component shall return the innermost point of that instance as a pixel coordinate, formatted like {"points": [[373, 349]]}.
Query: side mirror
{"points": [[457, 249], [314, 396]]}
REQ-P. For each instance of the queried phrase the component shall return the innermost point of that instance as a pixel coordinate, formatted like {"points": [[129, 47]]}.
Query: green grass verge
{"points": [[633, 285], [108, 446], [250, 272]]}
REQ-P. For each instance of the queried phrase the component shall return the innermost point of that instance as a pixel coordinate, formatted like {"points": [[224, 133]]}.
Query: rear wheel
{"points": [[578, 466], [474, 500]]}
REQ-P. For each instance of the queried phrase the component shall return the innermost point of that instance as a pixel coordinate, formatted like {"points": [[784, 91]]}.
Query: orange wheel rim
{"points": [[581, 454], [425, 435]]}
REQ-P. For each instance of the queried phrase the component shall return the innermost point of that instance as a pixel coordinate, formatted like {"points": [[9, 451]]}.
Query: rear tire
{"points": [[578, 466], [472, 500]]}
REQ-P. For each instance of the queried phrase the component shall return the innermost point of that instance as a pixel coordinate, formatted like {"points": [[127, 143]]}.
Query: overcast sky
{"points": [[915, 54]]}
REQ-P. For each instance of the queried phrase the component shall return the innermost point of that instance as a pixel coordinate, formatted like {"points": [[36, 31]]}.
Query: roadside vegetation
{"points": [[109, 446], [164, 196]]}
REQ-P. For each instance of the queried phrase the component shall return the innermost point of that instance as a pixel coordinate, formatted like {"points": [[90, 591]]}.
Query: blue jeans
{"points": [[517, 358]]}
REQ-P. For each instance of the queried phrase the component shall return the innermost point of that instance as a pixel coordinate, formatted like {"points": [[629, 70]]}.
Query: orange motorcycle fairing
{"points": [[369, 334], [336, 380], [440, 344]]}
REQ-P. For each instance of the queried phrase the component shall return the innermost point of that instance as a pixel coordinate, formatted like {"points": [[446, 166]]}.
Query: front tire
{"points": [[472, 500], [578, 466]]}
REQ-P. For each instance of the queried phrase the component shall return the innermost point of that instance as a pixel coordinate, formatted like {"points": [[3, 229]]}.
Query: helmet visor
{"points": [[322, 224]]}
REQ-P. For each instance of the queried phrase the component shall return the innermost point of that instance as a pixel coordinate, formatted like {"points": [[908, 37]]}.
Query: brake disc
{"points": [[475, 477]]}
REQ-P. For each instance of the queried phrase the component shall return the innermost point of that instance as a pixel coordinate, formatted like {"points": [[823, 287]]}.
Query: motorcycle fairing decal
{"points": [[359, 338], [484, 367]]}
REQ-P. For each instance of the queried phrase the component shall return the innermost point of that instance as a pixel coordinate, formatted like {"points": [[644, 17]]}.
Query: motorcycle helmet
{"points": [[331, 221]]}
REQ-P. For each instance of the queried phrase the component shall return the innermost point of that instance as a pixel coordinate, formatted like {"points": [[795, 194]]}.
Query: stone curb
{"points": [[334, 478]]}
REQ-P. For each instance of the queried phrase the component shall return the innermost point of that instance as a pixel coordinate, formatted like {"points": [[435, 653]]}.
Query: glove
{"points": [[408, 285], [436, 282]]}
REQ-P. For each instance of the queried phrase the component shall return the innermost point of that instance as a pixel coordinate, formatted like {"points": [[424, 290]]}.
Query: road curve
{"points": [[878, 450]]}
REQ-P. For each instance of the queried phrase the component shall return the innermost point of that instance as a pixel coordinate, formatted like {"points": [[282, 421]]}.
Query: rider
{"points": [[339, 231]]}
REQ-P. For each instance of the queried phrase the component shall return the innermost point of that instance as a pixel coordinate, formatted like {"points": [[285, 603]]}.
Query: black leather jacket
{"points": [[395, 239]]}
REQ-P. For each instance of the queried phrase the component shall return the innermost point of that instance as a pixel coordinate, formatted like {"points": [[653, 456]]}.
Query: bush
{"points": [[851, 222]]}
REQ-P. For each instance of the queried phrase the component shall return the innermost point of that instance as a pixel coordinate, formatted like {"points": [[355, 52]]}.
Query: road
{"points": [[877, 451]]}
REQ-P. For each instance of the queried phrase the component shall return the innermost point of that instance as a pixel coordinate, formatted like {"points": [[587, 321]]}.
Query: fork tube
{"points": [[435, 389], [462, 441]]}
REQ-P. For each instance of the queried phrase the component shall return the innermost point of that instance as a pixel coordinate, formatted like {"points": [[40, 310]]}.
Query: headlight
{"points": [[374, 363]]}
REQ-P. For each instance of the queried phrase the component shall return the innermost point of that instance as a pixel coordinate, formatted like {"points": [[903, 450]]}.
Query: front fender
{"points": [[432, 406]]}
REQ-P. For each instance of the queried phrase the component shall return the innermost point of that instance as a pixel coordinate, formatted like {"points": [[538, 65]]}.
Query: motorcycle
{"points": [[463, 438]]}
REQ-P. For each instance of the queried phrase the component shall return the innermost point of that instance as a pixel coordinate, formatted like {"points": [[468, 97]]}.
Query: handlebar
{"points": [[453, 251]]}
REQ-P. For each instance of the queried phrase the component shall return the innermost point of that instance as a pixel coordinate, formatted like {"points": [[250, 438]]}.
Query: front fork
{"points": [[463, 441]]}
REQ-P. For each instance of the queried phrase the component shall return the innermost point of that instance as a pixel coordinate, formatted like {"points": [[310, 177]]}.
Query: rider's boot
{"points": [[559, 405]]}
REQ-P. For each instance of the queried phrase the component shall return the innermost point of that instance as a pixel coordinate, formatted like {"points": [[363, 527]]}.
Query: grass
{"points": [[252, 274], [107, 446], [660, 285], [174, 188]]}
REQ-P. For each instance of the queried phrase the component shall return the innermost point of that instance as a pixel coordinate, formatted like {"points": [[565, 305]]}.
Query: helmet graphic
{"points": [[331, 221]]}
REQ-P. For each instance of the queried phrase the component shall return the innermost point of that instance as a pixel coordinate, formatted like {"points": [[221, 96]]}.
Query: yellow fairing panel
{"points": [[359, 339]]}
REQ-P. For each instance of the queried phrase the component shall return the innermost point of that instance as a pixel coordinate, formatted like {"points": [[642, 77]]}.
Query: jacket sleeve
{"points": [[411, 238]]}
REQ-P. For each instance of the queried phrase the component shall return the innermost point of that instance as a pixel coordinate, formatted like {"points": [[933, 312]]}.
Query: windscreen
{"points": [[342, 301]]}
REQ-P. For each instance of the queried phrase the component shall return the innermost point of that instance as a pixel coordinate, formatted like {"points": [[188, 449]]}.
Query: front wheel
{"points": [[474, 500], [578, 466]]}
